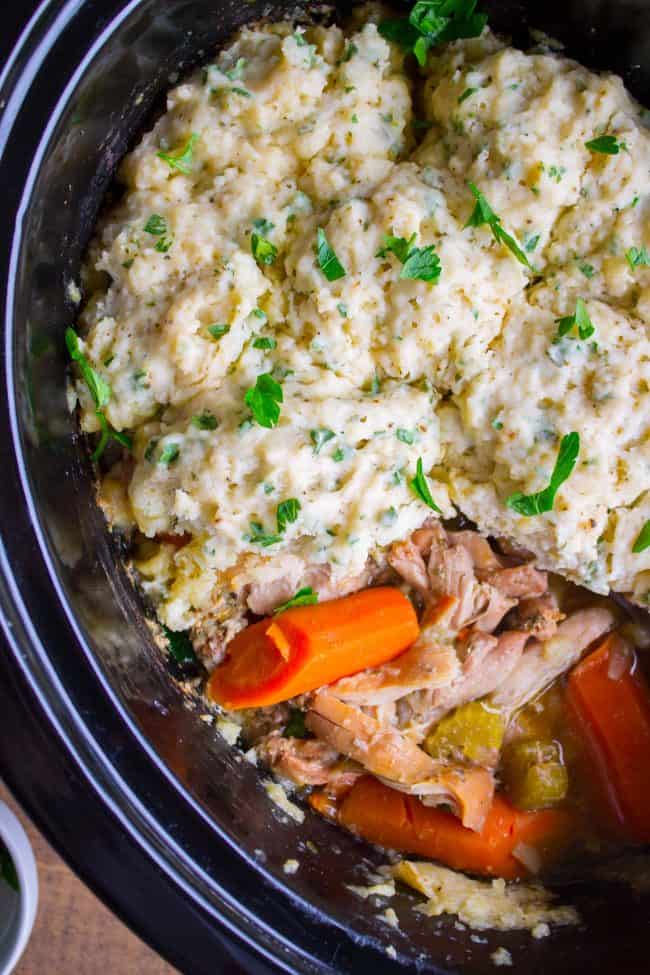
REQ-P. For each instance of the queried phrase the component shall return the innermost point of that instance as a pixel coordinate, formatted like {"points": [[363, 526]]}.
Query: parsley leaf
{"points": [[205, 421], [642, 540], [287, 512], [236, 73], [420, 487], [483, 213], [328, 262], [217, 331], [530, 243], [466, 94], [181, 160], [295, 726], [535, 504], [422, 264], [405, 436], [637, 257], [263, 250], [156, 225], [319, 438], [259, 537], [580, 319], [418, 263], [434, 22], [399, 246], [606, 144], [263, 226], [169, 454], [97, 385], [180, 646], [263, 399], [100, 392], [264, 342], [304, 597]]}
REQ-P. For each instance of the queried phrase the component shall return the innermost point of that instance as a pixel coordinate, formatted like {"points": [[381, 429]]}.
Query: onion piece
{"points": [[529, 856], [622, 660]]}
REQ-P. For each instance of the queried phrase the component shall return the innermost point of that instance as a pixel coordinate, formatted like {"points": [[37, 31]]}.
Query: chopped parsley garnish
{"points": [[264, 342], [259, 314], [405, 436], [420, 487], [263, 399], [483, 213], [467, 94], [259, 537], [535, 504], [97, 385], [580, 319], [236, 73], [328, 262], [304, 597], [157, 227], [287, 512], [241, 91], [349, 53], [169, 454], [319, 438], [263, 226], [587, 269], [342, 309], [434, 22], [608, 145], [637, 257], [100, 392], [295, 726], [338, 455], [263, 250], [218, 331], [180, 646], [181, 160], [642, 541], [205, 421], [418, 263], [530, 243]]}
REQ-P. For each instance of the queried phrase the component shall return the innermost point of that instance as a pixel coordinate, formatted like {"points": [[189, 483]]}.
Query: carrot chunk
{"points": [[308, 646], [610, 713], [401, 822]]}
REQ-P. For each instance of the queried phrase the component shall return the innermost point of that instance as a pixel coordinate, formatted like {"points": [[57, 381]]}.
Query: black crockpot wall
{"points": [[148, 805]]}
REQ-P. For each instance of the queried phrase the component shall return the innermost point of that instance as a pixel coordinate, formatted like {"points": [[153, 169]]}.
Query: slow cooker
{"points": [[154, 811]]}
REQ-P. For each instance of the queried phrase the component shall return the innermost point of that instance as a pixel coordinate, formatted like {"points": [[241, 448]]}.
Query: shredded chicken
{"points": [[431, 662], [488, 662], [538, 616], [543, 662], [263, 597], [399, 762], [307, 762]]}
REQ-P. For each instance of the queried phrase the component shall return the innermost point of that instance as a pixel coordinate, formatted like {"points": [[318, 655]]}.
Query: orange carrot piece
{"points": [[324, 804], [611, 717], [401, 822], [309, 646]]}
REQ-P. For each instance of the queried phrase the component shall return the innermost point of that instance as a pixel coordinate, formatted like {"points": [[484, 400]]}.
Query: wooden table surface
{"points": [[74, 933]]}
